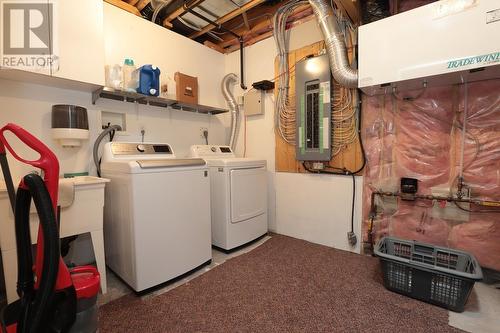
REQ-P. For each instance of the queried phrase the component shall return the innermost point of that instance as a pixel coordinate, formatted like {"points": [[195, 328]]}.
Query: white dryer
{"points": [[238, 188], [157, 213]]}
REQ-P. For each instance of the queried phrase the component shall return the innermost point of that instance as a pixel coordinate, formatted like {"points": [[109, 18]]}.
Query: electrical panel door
{"points": [[313, 109]]}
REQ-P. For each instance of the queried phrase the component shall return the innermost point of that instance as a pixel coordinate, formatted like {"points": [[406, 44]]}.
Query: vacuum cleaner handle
{"points": [[47, 161], [50, 165]]}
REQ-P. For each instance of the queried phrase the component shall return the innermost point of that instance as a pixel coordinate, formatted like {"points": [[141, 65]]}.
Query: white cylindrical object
{"points": [[70, 137], [130, 79], [69, 124]]}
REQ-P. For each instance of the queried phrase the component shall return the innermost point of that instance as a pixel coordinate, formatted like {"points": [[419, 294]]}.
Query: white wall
{"points": [[30, 106], [317, 208], [127, 35], [311, 207]]}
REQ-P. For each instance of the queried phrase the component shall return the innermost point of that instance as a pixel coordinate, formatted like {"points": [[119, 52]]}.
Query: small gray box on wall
{"points": [[253, 102], [313, 109]]}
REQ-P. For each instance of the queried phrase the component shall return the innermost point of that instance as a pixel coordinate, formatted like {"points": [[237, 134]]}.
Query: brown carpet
{"points": [[284, 285]]}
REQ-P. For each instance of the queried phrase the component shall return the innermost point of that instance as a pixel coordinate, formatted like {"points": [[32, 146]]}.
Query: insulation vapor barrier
{"points": [[425, 138]]}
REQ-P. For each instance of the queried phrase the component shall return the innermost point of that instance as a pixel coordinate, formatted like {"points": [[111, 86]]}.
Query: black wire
{"points": [[361, 145], [346, 172]]}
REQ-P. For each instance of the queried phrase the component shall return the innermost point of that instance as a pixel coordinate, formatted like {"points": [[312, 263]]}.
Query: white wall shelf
{"points": [[132, 97]]}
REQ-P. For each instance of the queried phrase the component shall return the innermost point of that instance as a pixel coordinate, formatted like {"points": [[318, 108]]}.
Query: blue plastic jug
{"points": [[149, 80]]}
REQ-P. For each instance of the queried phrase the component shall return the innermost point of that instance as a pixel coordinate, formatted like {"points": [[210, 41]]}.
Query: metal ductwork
{"points": [[158, 5], [374, 10], [227, 81], [335, 46]]}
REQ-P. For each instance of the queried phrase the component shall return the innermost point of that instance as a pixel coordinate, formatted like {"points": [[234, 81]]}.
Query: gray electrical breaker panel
{"points": [[313, 109]]}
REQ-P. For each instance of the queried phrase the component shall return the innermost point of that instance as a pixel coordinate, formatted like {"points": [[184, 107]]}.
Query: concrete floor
{"points": [[482, 312]]}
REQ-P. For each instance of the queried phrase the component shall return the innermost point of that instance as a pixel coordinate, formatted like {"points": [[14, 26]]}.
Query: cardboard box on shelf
{"points": [[186, 88]]}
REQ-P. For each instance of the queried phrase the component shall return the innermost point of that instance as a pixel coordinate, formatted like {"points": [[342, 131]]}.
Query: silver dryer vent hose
{"points": [[227, 81], [335, 45]]}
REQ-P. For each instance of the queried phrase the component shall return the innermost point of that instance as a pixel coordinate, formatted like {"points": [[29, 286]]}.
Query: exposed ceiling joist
{"points": [[351, 9], [235, 46], [181, 10], [245, 20], [250, 23], [141, 4], [124, 6], [266, 25], [249, 5], [132, 2], [214, 46]]}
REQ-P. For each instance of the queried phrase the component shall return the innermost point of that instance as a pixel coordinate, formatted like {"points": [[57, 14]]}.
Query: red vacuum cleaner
{"points": [[52, 298]]}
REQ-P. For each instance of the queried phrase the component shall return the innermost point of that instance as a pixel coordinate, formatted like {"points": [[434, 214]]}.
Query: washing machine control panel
{"points": [[131, 148], [211, 151]]}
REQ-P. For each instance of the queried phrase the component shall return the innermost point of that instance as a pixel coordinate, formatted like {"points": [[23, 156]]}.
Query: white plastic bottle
{"points": [[114, 77], [129, 79]]}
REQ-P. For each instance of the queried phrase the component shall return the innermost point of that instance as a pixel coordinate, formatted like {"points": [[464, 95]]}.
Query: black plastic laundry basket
{"points": [[433, 274]]}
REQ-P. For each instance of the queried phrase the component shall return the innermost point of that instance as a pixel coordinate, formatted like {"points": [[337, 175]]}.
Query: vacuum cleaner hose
{"points": [[24, 257], [37, 314], [4, 164]]}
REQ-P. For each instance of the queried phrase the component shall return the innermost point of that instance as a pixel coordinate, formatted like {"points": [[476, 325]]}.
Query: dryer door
{"points": [[248, 193]]}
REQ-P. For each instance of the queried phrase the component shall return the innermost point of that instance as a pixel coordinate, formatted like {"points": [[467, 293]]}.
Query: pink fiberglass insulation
{"points": [[481, 163], [417, 223], [422, 138], [482, 172], [481, 237], [423, 145]]}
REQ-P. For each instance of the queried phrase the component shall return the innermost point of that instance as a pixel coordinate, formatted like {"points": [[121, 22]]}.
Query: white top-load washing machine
{"points": [[157, 213], [238, 195]]}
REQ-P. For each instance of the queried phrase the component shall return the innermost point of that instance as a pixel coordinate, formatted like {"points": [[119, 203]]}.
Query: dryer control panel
{"points": [[211, 151]]}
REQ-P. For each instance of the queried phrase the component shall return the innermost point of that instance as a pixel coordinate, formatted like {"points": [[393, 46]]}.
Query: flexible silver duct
{"points": [[158, 6], [335, 45], [227, 81]]}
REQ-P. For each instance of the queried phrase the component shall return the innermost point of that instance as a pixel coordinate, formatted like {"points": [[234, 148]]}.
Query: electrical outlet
{"points": [[352, 239], [202, 130]]}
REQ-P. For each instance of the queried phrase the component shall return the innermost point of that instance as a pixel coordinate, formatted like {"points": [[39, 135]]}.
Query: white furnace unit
{"points": [[445, 42]]}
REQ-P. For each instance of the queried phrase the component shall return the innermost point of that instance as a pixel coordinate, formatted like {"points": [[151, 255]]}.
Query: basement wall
{"points": [[316, 208]]}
